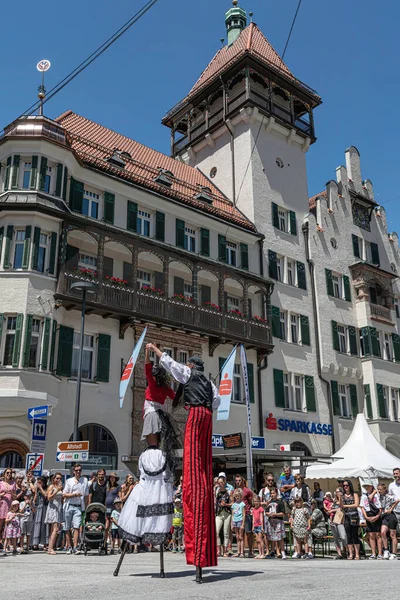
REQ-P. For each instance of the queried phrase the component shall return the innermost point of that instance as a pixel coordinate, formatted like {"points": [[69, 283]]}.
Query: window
{"points": [[344, 401], [42, 252], [342, 334], [47, 180], [337, 285], [395, 404], [298, 392], [286, 389], [397, 307], [231, 254], [88, 262], [237, 385], [290, 272], [26, 178], [187, 290], [34, 348], [183, 357], [19, 248], [232, 303], [90, 204], [385, 406], [143, 223], [280, 267], [387, 347], [190, 239], [373, 295], [143, 279], [168, 351], [87, 358], [282, 318], [9, 341], [282, 214], [294, 328]]}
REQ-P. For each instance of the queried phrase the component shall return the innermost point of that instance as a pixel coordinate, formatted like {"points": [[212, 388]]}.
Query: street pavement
{"points": [[45, 577]]}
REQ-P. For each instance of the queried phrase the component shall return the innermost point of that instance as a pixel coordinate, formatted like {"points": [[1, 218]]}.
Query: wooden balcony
{"points": [[127, 304], [381, 313]]}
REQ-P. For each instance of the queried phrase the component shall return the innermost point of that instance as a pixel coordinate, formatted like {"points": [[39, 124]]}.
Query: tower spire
{"points": [[42, 66], [235, 21]]}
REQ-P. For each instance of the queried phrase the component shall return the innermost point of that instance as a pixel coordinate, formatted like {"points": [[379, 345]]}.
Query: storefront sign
{"points": [[309, 427], [257, 443], [233, 440]]}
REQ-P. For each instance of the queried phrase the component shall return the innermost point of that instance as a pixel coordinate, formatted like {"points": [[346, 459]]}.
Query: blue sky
{"points": [[347, 50]]}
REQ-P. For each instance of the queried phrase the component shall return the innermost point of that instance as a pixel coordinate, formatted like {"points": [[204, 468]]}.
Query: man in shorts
{"points": [[247, 498], [389, 521], [76, 494]]}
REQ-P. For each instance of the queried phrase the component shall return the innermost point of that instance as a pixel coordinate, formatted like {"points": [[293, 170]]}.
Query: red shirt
{"points": [[258, 516], [247, 498], [154, 393]]}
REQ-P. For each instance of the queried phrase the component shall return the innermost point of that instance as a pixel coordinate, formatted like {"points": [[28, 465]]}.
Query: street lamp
{"points": [[84, 287]]}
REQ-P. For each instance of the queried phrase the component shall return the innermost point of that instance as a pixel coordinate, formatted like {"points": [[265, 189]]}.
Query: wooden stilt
{"points": [[162, 573], [124, 548], [199, 575]]}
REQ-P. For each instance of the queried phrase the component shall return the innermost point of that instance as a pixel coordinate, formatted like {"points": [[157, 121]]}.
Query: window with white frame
{"points": [[168, 351], [183, 357], [290, 272], [190, 239], [283, 326], [143, 223], [11, 325], [42, 252], [385, 394], [232, 303], [19, 248], [188, 290], [344, 401], [231, 253], [87, 261], [387, 346], [26, 175], [293, 390], [397, 307], [34, 346], [90, 204], [280, 267], [294, 329], [394, 393], [143, 280], [87, 358], [342, 335], [286, 389], [282, 216], [337, 285], [237, 395], [298, 392]]}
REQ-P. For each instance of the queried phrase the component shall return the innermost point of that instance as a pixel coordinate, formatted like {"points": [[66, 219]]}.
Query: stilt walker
{"points": [[200, 397]]}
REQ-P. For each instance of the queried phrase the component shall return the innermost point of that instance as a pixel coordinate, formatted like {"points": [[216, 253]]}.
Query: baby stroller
{"points": [[94, 532]]}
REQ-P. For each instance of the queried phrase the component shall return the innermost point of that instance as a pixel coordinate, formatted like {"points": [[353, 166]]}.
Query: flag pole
{"points": [[249, 454]]}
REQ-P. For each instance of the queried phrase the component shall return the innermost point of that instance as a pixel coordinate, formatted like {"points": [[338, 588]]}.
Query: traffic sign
{"points": [[38, 447], [34, 463], [73, 447], [72, 456], [39, 427], [39, 411]]}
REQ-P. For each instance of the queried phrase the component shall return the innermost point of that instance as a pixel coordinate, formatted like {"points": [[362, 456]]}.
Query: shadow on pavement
{"points": [[208, 576]]}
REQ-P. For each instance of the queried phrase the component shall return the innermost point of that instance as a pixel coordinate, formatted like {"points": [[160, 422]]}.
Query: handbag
{"points": [[338, 517], [373, 510]]}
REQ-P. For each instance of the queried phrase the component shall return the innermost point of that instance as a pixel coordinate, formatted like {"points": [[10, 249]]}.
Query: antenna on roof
{"points": [[251, 16], [42, 66]]}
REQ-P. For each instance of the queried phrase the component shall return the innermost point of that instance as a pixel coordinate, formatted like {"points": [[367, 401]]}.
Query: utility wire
{"points": [[262, 120]]}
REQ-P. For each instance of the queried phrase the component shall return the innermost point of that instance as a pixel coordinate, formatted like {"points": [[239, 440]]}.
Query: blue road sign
{"points": [[38, 411], [39, 427], [34, 463], [258, 443], [216, 441]]}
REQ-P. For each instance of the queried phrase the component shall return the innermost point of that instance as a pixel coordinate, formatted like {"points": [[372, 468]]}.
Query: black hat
{"points": [[197, 362]]}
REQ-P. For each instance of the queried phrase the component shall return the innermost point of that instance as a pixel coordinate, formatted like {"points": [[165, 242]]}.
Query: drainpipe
{"points": [[306, 233], [229, 128], [265, 360]]}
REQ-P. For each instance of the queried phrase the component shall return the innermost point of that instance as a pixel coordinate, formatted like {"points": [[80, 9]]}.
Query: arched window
{"points": [[11, 459], [300, 447], [103, 449]]}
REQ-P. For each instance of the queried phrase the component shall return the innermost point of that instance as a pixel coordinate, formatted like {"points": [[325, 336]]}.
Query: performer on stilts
{"points": [[200, 398], [147, 514]]}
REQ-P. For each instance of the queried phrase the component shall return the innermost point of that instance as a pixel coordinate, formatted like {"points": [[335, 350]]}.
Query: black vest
{"points": [[197, 391]]}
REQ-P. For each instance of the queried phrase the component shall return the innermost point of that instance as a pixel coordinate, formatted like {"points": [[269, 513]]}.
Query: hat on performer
{"points": [[197, 362]]}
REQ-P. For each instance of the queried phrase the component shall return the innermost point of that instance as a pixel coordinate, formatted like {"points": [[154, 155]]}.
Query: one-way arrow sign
{"points": [[39, 411]]}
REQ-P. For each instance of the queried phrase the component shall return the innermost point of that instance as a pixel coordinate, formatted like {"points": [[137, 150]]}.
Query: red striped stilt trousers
{"points": [[197, 490]]}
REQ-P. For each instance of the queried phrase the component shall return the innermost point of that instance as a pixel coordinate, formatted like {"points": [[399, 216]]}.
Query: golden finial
{"points": [[235, 2]]}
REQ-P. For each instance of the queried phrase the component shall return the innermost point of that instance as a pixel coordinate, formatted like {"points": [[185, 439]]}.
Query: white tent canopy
{"points": [[361, 456]]}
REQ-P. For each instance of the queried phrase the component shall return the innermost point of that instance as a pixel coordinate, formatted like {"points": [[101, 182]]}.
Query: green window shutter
{"points": [[279, 389], [109, 206], [76, 195], [329, 282], [250, 374], [53, 252], [335, 398], [72, 258], [301, 276], [179, 285], [353, 341], [346, 285], [60, 169], [7, 175], [64, 189], [353, 400], [1, 324], [42, 173], [376, 350], [305, 330], [396, 346], [276, 321], [205, 294], [366, 341], [356, 246], [127, 274], [293, 222], [7, 248], [27, 342], [53, 345], [311, 402], [65, 348], [15, 172], [33, 175], [275, 215], [381, 401], [159, 280], [222, 248], [36, 242], [46, 343], [180, 233], [204, 242], [244, 256], [272, 266], [368, 403], [335, 336], [108, 267], [17, 340], [1, 242], [160, 226], [131, 216], [374, 254], [103, 357], [27, 247]]}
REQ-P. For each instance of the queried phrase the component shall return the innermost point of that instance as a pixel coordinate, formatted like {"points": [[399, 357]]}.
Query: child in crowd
{"points": [[13, 528], [94, 525], [177, 524], [26, 521], [275, 526], [300, 523], [238, 517], [257, 512], [114, 525]]}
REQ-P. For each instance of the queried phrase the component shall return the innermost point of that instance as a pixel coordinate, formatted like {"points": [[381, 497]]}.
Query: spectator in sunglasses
{"points": [[76, 496]]}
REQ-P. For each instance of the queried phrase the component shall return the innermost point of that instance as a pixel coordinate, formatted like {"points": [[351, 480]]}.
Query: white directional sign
{"points": [[72, 456], [39, 411]]}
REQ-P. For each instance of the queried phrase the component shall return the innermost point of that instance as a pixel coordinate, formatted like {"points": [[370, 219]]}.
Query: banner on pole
{"points": [[226, 387], [127, 374], [243, 360]]}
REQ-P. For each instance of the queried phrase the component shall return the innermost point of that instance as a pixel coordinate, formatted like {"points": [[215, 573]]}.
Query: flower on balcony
{"points": [[86, 273], [211, 305], [183, 298], [235, 312], [117, 281], [258, 319], [148, 289]]}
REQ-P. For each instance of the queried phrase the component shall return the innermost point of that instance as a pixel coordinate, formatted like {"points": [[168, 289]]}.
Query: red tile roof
{"points": [[94, 144], [312, 201]]}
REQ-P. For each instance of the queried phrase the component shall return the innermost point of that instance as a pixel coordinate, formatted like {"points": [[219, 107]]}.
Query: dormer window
{"points": [[116, 159], [164, 177], [204, 194]]}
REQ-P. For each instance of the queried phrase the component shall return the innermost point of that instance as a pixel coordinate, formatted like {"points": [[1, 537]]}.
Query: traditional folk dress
{"points": [[200, 397]]}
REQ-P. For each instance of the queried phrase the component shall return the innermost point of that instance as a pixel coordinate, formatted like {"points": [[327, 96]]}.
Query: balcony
{"points": [[125, 304], [381, 313]]}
